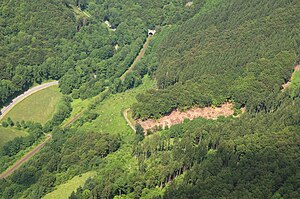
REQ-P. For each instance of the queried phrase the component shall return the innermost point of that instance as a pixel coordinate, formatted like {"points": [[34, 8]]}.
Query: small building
{"points": [[189, 4], [151, 32]]}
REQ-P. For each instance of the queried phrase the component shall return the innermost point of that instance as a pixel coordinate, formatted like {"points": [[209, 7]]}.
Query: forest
{"points": [[204, 53], [82, 47], [234, 55]]}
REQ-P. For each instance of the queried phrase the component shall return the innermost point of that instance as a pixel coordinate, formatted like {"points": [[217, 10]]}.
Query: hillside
{"points": [[231, 53], [29, 34], [207, 107]]}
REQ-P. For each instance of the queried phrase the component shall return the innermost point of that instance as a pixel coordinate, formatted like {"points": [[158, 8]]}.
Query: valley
{"points": [[149, 99]]}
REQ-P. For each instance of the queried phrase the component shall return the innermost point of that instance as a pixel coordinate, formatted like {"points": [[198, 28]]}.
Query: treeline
{"points": [[252, 157], [11, 148], [255, 88], [68, 154], [228, 53], [35, 130], [165, 101], [63, 111]]}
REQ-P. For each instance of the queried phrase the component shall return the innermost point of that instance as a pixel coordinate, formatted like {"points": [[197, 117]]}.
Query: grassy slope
{"points": [[110, 118], [78, 107], [64, 191], [7, 134], [295, 83], [38, 107], [79, 13]]}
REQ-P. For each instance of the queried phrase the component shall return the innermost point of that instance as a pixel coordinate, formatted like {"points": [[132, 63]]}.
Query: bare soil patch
{"points": [[177, 117]]}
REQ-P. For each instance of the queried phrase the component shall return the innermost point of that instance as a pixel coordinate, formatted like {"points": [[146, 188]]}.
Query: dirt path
{"points": [[26, 94], [138, 58], [125, 114], [72, 119], [10, 170]]}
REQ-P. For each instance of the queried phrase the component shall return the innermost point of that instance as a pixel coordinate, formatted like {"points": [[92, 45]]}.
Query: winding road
{"points": [[26, 94], [6, 109], [29, 92]]}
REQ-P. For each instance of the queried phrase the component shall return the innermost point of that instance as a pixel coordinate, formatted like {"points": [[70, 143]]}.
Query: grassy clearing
{"points": [[111, 120], [296, 79], [78, 106], [295, 83], [110, 111], [64, 191], [7, 134], [38, 107], [79, 13]]}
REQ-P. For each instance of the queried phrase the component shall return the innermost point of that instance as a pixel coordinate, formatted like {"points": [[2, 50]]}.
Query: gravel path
{"points": [[21, 97], [125, 114]]}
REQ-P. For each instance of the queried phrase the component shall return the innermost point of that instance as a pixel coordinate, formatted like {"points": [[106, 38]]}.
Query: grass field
{"points": [[295, 82], [296, 79], [79, 13], [38, 107], [110, 111], [64, 191], [7, 134], [111, 120]]}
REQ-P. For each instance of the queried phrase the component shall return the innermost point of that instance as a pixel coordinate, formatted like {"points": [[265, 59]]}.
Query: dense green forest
{"points": [[241, 51], [51, 41], [250, 157], [204, 53]]}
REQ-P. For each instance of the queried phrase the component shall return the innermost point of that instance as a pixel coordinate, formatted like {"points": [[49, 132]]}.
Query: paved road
{"points": [[21, 97], [25, 158]]}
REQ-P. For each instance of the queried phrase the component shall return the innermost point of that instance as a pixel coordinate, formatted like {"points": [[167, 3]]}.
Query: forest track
{"points": [[16, 165], [23, 96], [72, 119], [138, 58], [125, 114]]}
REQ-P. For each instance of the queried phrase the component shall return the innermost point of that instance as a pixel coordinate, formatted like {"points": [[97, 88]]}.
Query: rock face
{"points": [[177, 116]]}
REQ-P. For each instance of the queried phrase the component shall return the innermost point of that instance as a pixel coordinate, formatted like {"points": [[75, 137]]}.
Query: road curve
{"points": [[125, 114], [25, 158], [21, 97]]}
